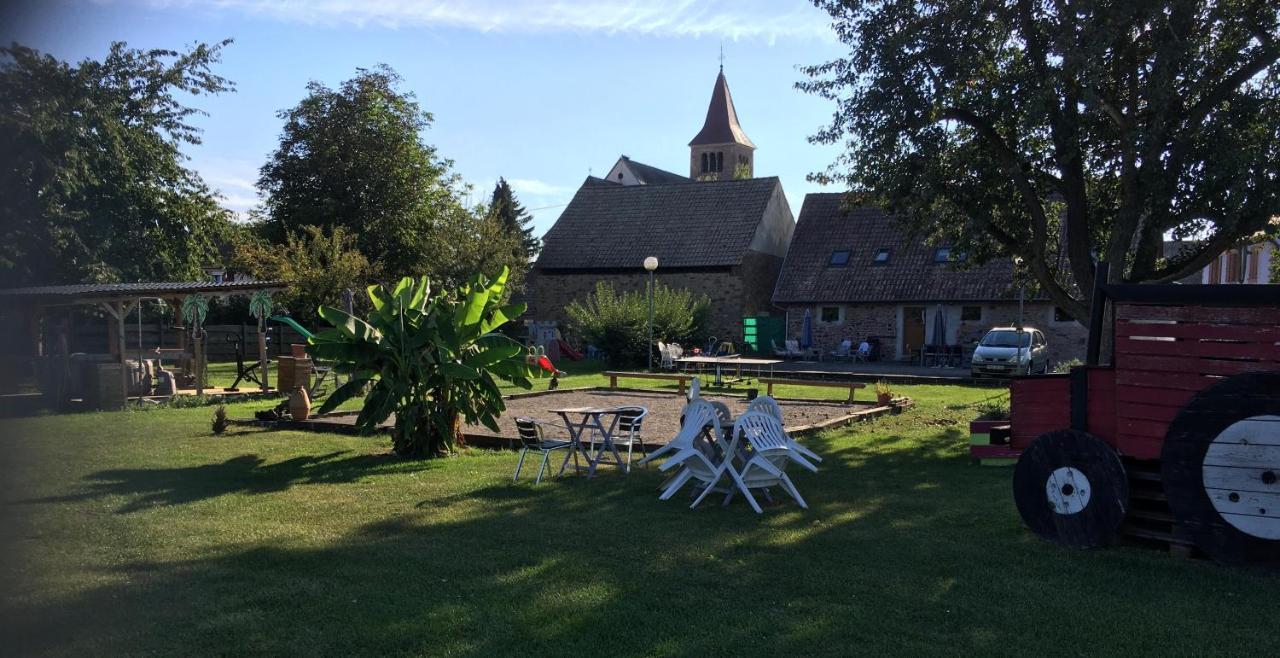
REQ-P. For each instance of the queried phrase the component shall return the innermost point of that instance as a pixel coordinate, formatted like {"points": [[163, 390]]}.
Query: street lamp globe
{"points": [[650, 263]]}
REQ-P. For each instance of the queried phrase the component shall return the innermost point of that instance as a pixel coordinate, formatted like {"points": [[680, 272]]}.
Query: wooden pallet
{"points": [[1149, 521]]}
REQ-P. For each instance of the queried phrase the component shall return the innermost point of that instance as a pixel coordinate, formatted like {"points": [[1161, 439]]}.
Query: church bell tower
{"points": [[721, 147]]}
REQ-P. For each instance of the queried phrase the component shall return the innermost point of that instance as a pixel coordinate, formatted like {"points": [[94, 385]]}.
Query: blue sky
{"points": [[539, 92]]}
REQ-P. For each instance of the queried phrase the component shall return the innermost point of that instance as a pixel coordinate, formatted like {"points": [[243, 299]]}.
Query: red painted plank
{"points": [[1187, 347], [1173, 398], [1213, 314], [1250, 333], [1204, 366], [988, 452], [1152, 429], [1159, 413], [1188, 381], [1140, 447]]}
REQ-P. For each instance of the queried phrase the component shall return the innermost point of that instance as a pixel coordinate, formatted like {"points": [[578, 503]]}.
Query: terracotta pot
{"points": [[299, 404], [884, 398], [298, 351]]}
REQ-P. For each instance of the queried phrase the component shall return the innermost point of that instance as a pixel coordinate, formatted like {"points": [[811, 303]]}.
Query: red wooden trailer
{"points": [[1178, 440]]}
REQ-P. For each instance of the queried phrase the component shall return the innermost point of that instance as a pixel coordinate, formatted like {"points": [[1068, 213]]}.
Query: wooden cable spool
{"points": [[1070, 488], [1221, 469]]}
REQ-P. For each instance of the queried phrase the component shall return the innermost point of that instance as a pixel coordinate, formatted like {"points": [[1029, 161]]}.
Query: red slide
{"points": [[568, 352]]}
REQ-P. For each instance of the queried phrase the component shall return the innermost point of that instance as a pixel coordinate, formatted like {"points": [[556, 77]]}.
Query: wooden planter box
{"points": [[989, 443]]}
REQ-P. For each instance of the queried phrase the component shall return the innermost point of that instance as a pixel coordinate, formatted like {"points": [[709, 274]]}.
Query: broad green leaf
{"points": [[342, 394], [458, 371], [349, 325], [502, 316]]}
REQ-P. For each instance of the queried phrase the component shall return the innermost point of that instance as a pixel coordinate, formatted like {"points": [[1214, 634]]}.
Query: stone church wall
{"points": [[734, 292]]}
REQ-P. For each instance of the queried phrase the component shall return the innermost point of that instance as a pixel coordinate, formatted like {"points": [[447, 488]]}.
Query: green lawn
{"points": [[139, 532]]}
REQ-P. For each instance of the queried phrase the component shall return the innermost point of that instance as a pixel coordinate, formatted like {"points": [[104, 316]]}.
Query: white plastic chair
{"points": [[843, 350], [695, 389], [767, 462], [793, 348], [704, 467], [768, 405], [765, 404], [696, 417]]}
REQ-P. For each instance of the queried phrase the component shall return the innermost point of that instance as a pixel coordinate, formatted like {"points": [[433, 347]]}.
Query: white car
{"points": [[1007, 351]]}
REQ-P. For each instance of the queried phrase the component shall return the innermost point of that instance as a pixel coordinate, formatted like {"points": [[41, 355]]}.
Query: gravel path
{"points": [[664, 410]]}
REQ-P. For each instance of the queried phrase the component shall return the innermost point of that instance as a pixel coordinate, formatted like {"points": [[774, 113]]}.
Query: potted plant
{"points": [[884, 394]]}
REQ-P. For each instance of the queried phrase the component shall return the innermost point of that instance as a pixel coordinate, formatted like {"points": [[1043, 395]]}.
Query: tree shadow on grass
{"points": [[245, 474], [905, 549]]}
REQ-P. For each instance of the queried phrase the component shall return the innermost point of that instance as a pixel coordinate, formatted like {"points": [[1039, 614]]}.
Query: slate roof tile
{"points": [[910, 275], [694, 224]]}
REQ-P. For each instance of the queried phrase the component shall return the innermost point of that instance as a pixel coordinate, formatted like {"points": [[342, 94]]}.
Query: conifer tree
{"points": [[512, 215]]}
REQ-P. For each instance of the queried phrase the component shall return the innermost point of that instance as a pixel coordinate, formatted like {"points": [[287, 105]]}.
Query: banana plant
{"points": [[430, 357]]}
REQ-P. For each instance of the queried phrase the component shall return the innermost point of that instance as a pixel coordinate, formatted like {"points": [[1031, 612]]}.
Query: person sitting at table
{"points": [[864, 350]]}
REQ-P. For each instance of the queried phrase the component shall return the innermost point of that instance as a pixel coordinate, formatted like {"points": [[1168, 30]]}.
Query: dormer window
{"points": [[881, 257], [839, 258]]}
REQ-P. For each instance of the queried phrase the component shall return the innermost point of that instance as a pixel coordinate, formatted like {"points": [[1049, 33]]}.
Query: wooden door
{"points": [[912, 330]]}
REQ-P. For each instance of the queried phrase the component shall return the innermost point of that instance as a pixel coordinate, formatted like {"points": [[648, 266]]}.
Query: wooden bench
{"points": [[852, 386], [677, 377]]}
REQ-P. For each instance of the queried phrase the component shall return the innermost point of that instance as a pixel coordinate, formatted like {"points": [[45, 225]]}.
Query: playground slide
{"points": [[293, 323], [568, 352]]}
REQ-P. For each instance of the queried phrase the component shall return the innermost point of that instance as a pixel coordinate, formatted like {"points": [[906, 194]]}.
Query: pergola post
{"points": [[119, 311], [262, 355]]}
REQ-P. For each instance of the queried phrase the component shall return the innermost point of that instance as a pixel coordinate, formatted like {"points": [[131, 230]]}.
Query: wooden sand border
{"points": [[475, 440]]}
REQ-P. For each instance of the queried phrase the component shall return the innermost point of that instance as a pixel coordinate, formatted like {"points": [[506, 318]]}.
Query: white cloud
{"points": [[534, 187], [741, 19]]}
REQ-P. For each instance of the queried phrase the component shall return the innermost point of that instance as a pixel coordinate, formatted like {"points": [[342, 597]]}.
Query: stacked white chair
{"points": [[767, 462], [696, 464], [697, 417], [768, 405]]}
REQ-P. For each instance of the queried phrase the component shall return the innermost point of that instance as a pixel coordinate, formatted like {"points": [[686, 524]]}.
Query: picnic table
{"points": [[720, 361], [589, 419]]}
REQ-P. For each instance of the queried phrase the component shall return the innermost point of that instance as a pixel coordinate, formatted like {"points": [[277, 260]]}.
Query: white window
{"points": [[830, 315]]}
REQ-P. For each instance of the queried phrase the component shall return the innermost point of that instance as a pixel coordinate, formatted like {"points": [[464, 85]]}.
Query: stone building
{"points": [[859, 276], [726, 239], [711, 234]]}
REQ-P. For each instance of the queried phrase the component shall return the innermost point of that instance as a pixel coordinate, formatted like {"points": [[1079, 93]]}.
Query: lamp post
{"points": [[1022, 288], [651, 264]]}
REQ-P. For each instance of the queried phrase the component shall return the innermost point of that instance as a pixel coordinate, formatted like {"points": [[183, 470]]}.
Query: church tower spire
{"points": [[721, 147]]}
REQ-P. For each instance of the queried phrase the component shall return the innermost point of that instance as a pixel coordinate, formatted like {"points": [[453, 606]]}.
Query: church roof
{"points": [[721, 125], [908, 271], [693, 224], [650, 175]]}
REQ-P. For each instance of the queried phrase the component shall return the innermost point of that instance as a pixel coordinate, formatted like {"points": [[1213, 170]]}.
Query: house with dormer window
{"points": [[858, 275]]}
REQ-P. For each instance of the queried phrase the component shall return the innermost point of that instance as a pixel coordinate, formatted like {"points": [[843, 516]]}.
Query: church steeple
{"points": [[721, 146]]}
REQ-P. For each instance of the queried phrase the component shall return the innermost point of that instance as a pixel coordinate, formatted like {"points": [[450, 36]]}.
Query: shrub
{"points": [[619, 323], [1065, 366]]}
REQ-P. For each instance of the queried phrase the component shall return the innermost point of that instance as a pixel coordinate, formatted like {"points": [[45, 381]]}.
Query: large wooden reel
{"points": [[1221, 469], [1071, 488]]}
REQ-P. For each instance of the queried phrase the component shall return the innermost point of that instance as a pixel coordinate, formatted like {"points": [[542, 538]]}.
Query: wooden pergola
{"points": [[118, 300]]}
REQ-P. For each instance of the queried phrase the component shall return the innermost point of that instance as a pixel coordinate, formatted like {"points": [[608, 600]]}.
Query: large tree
{"points": [[1061, 131], [318, 265], [354, 158], [92, 182], [504, 207]]}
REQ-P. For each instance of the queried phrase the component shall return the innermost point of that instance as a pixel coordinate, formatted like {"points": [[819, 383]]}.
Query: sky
{"points": [[541, 92]]}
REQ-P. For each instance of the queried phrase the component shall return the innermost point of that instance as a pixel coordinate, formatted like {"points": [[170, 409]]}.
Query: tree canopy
{"points": [[318, 265], [514, 218], [1061, 132], [92, 171]]}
